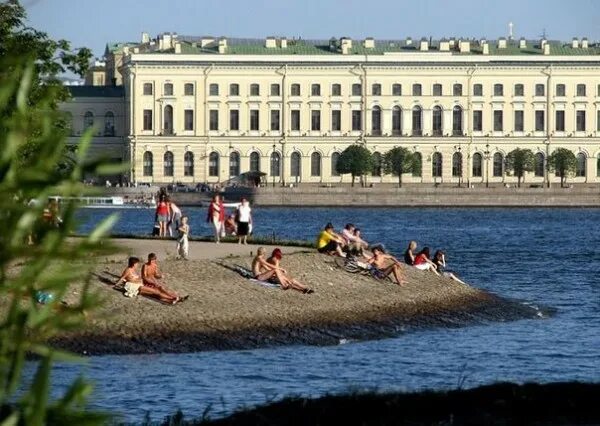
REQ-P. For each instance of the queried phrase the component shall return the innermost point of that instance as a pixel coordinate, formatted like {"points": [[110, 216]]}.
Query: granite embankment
{"points": [[227, 311]]}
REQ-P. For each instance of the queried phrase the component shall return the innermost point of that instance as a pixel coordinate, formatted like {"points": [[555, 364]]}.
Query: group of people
{"points": [[237, 224], [270, 270], [169, 220]]}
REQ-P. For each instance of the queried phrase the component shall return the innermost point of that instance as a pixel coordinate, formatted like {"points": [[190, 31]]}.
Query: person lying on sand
{"points": [[151, 276], [282, 277], [134, 285], [380, 267]]}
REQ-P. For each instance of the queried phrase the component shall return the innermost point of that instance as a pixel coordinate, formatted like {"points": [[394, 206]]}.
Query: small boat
{"points": [[108, 202]]}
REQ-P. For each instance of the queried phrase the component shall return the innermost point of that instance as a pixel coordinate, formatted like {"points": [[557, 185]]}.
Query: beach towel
{"points": [[247, 273]]}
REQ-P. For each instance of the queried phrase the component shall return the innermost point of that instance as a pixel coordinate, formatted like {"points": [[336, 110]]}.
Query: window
{"points": [[188, 89], [580, 121], [147, 90], [498, 90], [315, 90], [188, 119], [336, 90], [275, 90], [580, 168], [397, 89], [560, 90], [168, 164], [214, 119], [275, 164], [234, 119], [254, 117], [376, 121], [457, 164], [168, 89], [275, 120], [457, 90], [295, 120], [598, 166], [397, 121], [234, 89], [315, 164], [539, 121], [477, 161], [540, 90], [315, 120], [519, 121], [417, 120], [457, 121], [148, 163], [356, 90], [538, 166], [598, 120], [560, 121], [417, 90], [581, 90], [213, 164], [109, 124], [254, 89], [188, 164], [335, 157], [213, 89], [520, 90], [356, 120], [376, 89], [436, 165], [498, 121], [336, 120], [88, 120], [477, 120], [147, 125], [417, 165], [598, 90], [498, 165], [295, 165], [377, 164], [295, 90], [168, 120], [437, 90], [234, 164], [437, 121], [477, 90]]}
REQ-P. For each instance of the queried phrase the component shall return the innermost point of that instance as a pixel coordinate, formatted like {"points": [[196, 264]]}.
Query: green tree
{"points": [[356, 160], [520, 161], [398, 161], [563, 162]]}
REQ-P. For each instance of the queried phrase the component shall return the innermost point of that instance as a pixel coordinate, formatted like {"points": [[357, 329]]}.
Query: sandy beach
{"points": [[228, 311]]}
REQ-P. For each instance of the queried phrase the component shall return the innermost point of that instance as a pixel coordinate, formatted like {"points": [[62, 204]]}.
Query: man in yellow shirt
{"points": [[328, 242]]}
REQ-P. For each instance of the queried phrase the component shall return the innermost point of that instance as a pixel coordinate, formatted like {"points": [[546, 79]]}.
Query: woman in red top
{"points": [[216, 216], [424, 263], [162, 215]]}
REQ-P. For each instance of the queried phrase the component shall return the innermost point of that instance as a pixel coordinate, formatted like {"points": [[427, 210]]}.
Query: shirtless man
{"points": [[134, 283], [289, 281], [381, 267], [151, 276], [264, 271]]}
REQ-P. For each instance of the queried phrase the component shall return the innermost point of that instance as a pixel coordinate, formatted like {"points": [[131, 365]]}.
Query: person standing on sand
{"points": [[380, 267], [134, 285], [151, 276], [162, 215], [216, 216], [182, 240], [288, 281], [175, 218], [244, 220]]}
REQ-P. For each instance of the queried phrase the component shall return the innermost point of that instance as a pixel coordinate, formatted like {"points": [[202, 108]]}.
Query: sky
{"points": [[93, 23]]}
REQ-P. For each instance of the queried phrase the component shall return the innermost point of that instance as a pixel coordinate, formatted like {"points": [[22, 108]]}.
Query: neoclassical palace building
{"points": [[205, 109]]}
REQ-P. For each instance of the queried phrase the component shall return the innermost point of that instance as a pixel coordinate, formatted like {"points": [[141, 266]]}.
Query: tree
{"points": [[356, 160], [563, 162], [398, 161], [520, 161]]}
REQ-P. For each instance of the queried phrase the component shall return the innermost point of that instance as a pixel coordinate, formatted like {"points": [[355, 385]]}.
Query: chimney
{"points": [[145, 38], [283, 43], [205, 41], [369, 43], [444, 45], [501, 43], [546, 48], [584, 43], [522, 43], [424, 45], [222, 45], [177, 47], [270, 42], [346, 45], [465, 46], [408, 41], [575, 43], [485, 48]]}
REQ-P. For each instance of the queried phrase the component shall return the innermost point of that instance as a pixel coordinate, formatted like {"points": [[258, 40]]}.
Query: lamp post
{"points": [[273, 164], [487, 165]]}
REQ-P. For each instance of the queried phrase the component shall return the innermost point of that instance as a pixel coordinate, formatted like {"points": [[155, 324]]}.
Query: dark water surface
{"points": [[546, 257]]}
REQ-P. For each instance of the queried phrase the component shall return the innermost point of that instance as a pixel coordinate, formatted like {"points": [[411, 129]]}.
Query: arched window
{"points": [[376, 170], [498, 164], [188, 164], [148, 164], [335, 157], [213, 164], [168, 163], [417, 121], [397, 121], [168, 120], [109, 124], [315, 164], [295, 168], [255, 162], [477, 162], [437, 120], [580, 169], [417, 165], [457, 164], [457, 121], [88, 120], [539, 165], [275, 164], [436, 164], [376, 121], [234, 164]]}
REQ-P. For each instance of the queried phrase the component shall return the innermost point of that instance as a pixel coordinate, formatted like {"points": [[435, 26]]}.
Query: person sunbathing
{"points": [[381, 267], [134, 284], [264, 271], [286, 279], [151, 276]]}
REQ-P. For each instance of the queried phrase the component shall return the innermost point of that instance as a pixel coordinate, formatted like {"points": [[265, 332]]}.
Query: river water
{"points": [[544, 257]]}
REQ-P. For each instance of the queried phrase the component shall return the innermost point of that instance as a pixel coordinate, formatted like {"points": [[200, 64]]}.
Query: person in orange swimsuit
{"points": [[151, 276], [134, 283]]}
